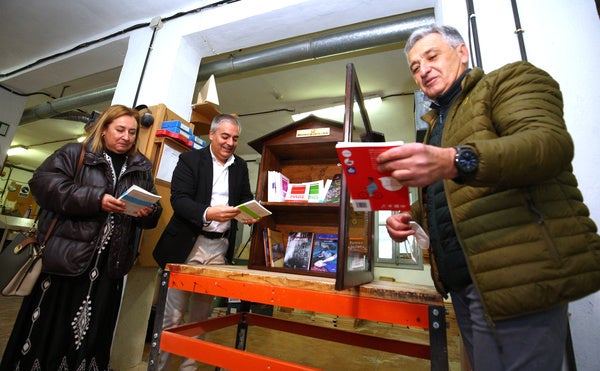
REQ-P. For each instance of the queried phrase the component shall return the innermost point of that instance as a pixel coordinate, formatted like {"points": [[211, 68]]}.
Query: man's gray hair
{"points": [[217, 120], [449, 33]]}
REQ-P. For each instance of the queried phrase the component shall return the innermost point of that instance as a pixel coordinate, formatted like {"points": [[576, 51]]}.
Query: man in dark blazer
{"points": [[206, 186]]}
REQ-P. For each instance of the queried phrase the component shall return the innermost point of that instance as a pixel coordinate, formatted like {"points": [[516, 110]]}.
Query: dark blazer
{"points": [[191, 191]]}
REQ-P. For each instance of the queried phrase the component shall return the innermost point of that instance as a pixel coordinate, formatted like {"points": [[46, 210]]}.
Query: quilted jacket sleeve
{"points": [[515, 122]]}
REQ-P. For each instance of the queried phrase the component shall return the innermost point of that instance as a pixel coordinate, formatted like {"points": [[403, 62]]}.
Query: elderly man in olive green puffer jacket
{"points": [[511, 239]]}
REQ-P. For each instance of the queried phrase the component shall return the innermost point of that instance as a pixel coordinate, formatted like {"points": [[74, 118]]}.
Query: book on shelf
{"points": [[297, 192], [370, 189], [334, 190], [313, 191], [266, 247], [278, 186], [136, 198], [325, 252], [251, 210], [324, 189], [275, 247], [358, 257], [298, 250]]}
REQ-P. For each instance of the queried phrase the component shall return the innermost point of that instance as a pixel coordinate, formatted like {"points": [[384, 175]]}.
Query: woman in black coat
{"points": [[67, 322]]}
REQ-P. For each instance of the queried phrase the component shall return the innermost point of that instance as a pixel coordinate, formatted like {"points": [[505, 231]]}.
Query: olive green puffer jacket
{"points": [[521, 220]]}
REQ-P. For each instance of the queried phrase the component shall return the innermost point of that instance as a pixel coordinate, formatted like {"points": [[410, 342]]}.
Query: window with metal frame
{"points": [[390, 254]]}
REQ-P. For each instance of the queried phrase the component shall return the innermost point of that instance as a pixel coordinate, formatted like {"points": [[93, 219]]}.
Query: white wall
{"points": [[562, 38]]}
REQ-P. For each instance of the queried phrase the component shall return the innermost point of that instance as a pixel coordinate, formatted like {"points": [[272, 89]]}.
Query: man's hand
{"points": [[251, 221], [398, 226], [417, 164], [221, 213]]}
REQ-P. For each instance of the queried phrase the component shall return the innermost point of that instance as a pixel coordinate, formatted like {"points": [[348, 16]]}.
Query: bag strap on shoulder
{"points": [[80, 162], [49, 231], [55, 218]]}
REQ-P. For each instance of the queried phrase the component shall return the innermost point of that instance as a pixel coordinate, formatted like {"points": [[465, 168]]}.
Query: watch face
{"points": [[466, 161]]}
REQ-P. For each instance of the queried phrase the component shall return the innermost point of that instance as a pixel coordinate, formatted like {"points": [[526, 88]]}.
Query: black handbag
{"points": [[21, 263], [20, 266]]}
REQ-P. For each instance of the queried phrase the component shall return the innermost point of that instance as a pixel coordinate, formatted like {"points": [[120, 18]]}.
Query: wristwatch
{"points": [[466, 162]]}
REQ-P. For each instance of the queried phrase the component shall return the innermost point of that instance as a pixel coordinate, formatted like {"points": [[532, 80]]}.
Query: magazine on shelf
{"points": [[251, 210], [267, 249], [371, 190], [136, 198], [357, 254], [315, 191], [278, 186], [333, 191], [298, 250], [326, 184], [275, 246], [325, 251], [312, 192], [297, 192]]}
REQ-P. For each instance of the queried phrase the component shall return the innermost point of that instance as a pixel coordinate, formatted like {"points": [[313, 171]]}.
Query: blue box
{"points": [[196, 146], [197, 140], [177, 126]]}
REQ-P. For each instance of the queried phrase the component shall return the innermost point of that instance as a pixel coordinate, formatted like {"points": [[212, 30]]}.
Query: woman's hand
{"points": [[112, 205], [145, 211]]}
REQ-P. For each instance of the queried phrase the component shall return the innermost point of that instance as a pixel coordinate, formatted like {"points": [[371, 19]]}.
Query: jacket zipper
{"points": [[541, 221], [486, 315]]}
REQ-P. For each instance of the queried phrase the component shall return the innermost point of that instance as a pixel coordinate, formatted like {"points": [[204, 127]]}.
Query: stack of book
{"points": [[181, 132], [282, 190], [316, 252]]}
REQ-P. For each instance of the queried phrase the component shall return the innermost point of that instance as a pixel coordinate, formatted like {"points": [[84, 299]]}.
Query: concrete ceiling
{"points": [[33, 31]]}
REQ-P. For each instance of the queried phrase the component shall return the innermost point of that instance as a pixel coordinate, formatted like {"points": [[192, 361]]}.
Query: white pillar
{"points": [[170, 72], [169, 78]]}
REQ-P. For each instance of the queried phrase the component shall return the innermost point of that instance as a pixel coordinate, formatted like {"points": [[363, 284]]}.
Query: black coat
{"points": [[77, 198], [191, 192]]}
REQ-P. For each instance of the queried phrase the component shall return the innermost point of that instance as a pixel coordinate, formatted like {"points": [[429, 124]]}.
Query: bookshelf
{"points": [[304, 151]]}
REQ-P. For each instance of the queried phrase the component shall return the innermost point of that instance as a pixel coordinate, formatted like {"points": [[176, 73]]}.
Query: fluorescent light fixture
{"points": [[337, 112], [16, 150], [81, 139]]}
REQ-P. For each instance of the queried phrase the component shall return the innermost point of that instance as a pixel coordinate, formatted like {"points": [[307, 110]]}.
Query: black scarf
{"points": [[118, 159], [443, 102]]}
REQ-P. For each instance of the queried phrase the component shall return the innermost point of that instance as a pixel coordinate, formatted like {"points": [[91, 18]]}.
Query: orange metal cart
{"points": [[390, 302]]}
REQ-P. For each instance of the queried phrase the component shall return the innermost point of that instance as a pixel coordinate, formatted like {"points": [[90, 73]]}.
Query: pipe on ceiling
{"points": [[351, 39], [61, 105]]}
